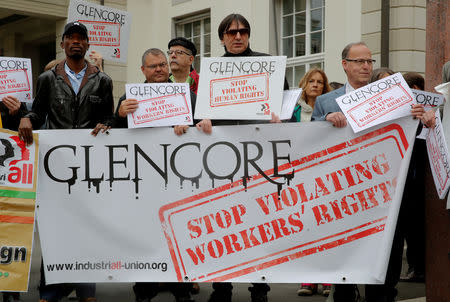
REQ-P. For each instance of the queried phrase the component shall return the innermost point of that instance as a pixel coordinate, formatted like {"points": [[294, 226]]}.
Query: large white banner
{"points": [[248, 88], [16, 78], [108, 28], [292, 202]]}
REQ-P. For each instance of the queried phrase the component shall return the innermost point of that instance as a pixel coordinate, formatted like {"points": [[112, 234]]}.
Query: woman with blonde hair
{"points": [[313, 84]]}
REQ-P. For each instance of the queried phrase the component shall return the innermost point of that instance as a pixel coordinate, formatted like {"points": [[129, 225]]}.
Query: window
{"points": [[198, 30], [302, 36]]}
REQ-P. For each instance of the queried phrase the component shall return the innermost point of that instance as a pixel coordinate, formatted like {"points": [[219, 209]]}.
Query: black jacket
{"points": [[56, 100]]}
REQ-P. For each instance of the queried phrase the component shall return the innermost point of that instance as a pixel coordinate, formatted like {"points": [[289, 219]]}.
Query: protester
{"points": [[411, 218], [357, 63], [156, 70], [379, 73], [72, 95], [428, 118], [313, 84], [336, 85], [234, 33], [414, 80], [181, 54]]}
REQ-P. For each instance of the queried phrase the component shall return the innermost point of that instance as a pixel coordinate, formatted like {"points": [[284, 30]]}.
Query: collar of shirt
{"points": [[348, 88], [75, 78]]}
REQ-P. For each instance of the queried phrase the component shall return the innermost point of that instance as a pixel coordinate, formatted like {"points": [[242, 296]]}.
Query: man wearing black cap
{"points": [[72, 95], [181, 55]]}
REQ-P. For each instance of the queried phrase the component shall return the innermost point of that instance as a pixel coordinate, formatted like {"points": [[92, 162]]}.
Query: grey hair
{"points": [[152, 51], [346, 49]]}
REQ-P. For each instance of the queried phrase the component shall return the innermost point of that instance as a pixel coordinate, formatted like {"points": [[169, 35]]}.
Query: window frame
{"points": [[200, 16], [307, 59]]}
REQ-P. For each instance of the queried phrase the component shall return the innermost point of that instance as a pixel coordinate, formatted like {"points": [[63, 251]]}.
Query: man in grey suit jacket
{"points": [[357, 63]]}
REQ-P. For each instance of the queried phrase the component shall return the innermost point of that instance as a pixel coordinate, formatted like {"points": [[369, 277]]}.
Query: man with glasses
{"points": [[234, 34], [156, 70], [181, 56], [357, 63]]}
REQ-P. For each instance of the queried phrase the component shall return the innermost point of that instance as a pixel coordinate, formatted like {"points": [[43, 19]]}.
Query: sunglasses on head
{"points": [[241, 31]]}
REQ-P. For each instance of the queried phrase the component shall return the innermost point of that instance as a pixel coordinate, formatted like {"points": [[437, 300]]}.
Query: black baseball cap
{"points": [[75, 27], [181, 41]]}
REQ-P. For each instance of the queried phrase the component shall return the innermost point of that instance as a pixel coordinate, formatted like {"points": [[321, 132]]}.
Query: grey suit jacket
{"points": [[326, 103]]}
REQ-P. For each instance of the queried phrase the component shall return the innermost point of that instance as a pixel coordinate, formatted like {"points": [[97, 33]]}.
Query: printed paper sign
{"points": [[18, 175], [160, 104], [240, 88], [236, 205], [108, 28], [290, 99], [429, 100], [16, 78], [381, 101], [439, 157]]}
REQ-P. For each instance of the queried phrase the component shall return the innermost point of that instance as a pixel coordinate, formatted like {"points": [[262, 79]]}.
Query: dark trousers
{"points": [[148, 290], [226, 287], [412, 211], [55, 292]]}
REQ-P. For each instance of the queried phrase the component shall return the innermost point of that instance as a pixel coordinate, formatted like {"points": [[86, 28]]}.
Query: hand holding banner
{"points": [[240, 88], [378, 102], [429, 100], [160, 104], [16, 78]]}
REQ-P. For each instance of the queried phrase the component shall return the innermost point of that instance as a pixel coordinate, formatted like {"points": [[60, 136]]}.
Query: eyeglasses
{"points": [[160, 65], [361, 61], [241, 31], [178, 52]]}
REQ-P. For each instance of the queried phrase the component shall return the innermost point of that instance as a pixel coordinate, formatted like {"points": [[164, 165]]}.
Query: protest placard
{"points": [[439, 157], [160, 104], [16, 78], [429, 100], [377, 102], [240, 88], [108, 28], [246, 203], [18, 178], [290, 99]]}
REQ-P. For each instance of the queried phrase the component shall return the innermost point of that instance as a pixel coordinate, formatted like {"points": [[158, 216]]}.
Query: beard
{"points": [[76, 56]]}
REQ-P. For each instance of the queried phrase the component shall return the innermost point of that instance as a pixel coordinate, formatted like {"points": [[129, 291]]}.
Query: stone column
{"points": [[437, 217]]}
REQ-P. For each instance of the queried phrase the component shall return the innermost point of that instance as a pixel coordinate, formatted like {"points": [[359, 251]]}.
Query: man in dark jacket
{"points": [[156, 70], [234, 34], [72, 95]]}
